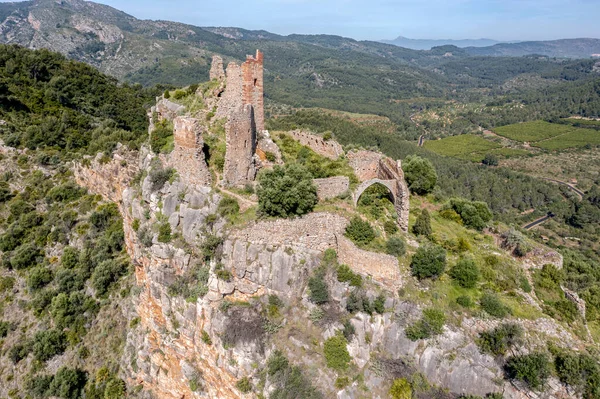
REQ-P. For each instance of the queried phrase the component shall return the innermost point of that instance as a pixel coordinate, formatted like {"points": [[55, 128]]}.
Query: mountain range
{"points": [[428, 44]]}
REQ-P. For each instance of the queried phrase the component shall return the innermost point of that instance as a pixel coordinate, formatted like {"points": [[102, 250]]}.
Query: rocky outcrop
{"points": [[167, 110]]}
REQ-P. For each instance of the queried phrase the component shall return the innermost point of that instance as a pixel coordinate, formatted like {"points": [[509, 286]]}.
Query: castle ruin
{"points": [[241, 102]]}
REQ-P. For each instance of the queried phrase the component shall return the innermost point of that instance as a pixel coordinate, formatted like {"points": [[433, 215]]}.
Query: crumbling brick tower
{"points": [[252, 75]]}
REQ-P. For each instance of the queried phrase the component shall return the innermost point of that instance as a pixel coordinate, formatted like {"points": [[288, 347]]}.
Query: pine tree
{"points": [[422, 226]]}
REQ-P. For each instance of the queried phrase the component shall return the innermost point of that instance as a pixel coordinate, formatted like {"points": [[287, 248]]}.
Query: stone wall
{"points": [[365, 164], [252, 76], [331, 187], [240, 167], [188, 156], [330, 148], [232, 98], [244, 85]]}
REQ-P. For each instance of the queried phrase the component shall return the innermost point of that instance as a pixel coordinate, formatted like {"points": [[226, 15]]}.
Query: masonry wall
{"points": [[240, 131], [330, 148], [253, 82], [188, 156], [331, 187]]}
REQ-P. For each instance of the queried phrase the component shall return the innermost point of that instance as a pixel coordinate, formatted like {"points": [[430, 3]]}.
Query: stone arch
{"points": [[389, 184], [400, 197]]}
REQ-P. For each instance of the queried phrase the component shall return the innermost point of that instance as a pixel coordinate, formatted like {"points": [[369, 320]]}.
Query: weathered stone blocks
{"points": [[331, 187], [327, 148], [240, 131], [188, 156]]}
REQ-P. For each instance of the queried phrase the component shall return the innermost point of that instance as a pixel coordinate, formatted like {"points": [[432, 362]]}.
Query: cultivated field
{"points": [[461, 146], [578, 138], [534, 131]]}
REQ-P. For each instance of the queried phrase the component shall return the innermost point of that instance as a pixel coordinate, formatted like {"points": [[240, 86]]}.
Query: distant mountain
{"points": [[565, 48], [428, 44]]}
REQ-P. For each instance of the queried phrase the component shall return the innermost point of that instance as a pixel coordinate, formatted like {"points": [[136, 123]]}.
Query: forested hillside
{"points": [[49, 101]]}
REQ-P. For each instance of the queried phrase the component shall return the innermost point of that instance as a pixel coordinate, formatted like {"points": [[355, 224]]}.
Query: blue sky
{"points": [[385, 19]]}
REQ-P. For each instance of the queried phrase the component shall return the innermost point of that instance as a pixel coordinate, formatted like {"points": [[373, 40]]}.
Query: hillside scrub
{"points": [[286, 191], [420, 174], [428, 262]]}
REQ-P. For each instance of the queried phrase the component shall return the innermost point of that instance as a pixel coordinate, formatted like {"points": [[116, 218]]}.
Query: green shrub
{"points": [[422, 226], [358, 302], [5, 327], [115, 389], [401, 389], [319, 291], [474, 214], [164, 232], [336, 353], [379, 304], [228, 207], [431, 324], [244, 385], [579, 370], [286, 191], [346, 275], [19, 352], [145, 236], [39, 386], [465, 301], [499, 340], [395, 246], [39, 277], [68, 383], [360, 231], [206, 338], [493, 305], [465, 273], [26, 256], [222, 273], [70, 258], [210, 246], [428, 262], [107, 273], [534, 369], [159, 176], [47, 344], [6, 284], [390, 227], [490, 160], [420, 174], [277, 363]]}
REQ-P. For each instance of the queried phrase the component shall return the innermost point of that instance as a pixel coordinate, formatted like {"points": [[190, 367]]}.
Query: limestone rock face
{"points": [[188, 157], [216, 69], [168, 110], [240, 131]]}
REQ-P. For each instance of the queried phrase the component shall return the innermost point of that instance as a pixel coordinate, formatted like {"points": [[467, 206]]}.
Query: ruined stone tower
{"points": [[239, 168], [242, 104], [252, 76]]}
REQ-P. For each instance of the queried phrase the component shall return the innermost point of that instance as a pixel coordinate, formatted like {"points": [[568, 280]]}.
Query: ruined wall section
{"points": [[240, 168], [188, 156], [253, 83], [332, 187], [216, 68], [327, 148], [365, 164], [232, 97]]}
